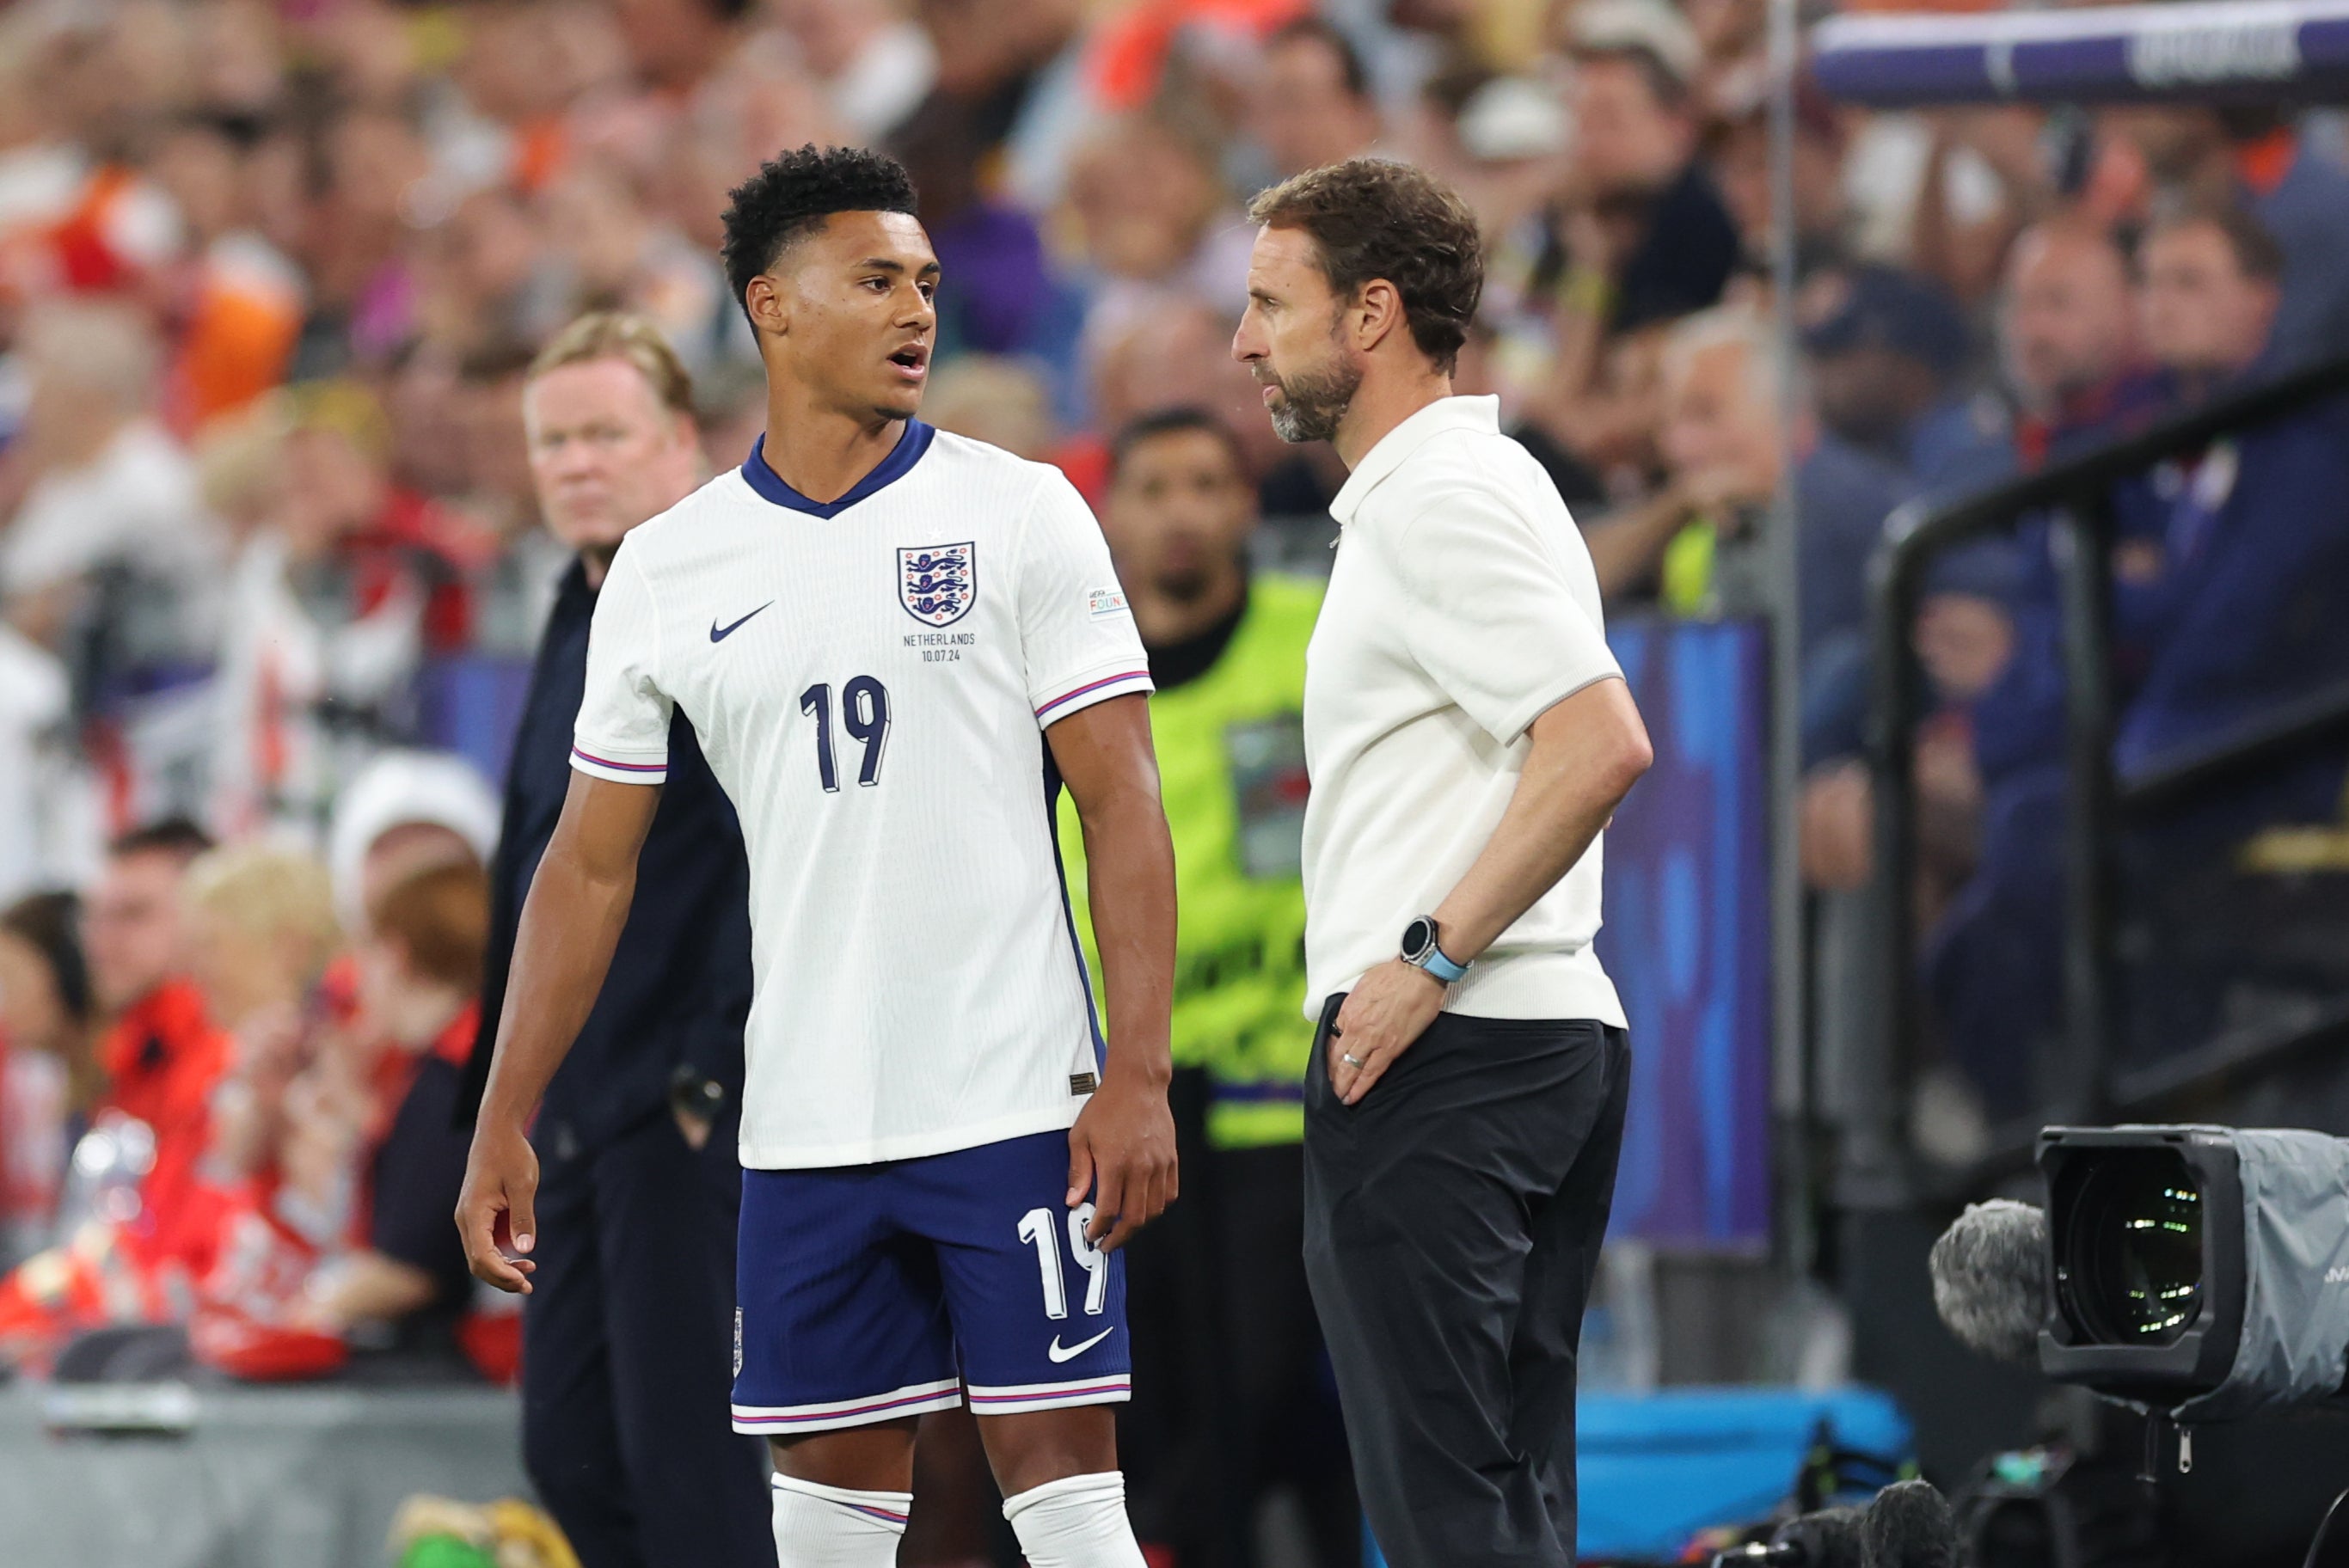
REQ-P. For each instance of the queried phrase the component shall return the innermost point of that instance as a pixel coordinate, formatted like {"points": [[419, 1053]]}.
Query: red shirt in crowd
{"points": [[163, 1058]]}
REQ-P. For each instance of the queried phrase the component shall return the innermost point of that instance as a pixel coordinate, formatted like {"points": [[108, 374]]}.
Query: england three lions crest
{"points": [[937, 583]]}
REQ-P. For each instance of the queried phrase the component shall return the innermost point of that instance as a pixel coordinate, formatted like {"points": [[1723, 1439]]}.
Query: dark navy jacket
{"points": [[679, 988], [2242, 619]]}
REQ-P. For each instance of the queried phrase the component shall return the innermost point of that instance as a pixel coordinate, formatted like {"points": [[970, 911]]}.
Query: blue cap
{"points": [[1877, 306]]}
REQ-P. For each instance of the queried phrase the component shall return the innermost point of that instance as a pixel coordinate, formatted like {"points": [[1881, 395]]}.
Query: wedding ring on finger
{"points": [[1352, 1060]]}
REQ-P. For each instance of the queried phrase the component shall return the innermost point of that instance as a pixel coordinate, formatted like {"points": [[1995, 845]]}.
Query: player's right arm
{"points": [[570, 925], [570, 922]]}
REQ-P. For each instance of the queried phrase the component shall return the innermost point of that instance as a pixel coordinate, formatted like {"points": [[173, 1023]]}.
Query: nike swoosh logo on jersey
{"points": [[1059, 1352], [719, 633]]}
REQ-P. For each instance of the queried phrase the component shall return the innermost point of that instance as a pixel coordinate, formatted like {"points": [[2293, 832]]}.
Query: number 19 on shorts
{"points": [[1040, 1228]]}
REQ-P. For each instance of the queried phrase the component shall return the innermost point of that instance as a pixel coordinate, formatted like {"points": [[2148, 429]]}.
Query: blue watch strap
{"points": [[1443, 968]]}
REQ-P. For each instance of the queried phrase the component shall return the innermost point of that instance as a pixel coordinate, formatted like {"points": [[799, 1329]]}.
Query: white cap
{"points": [[1650, 25], [396, 790], [1511, 118]]}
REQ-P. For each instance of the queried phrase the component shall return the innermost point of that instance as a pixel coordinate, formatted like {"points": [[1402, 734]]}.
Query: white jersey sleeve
{"points": [[1495, 615], [624, 719], [1077, 639]]}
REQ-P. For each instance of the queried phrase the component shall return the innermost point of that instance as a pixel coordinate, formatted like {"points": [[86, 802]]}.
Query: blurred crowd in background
{"points": [[270, 275]]}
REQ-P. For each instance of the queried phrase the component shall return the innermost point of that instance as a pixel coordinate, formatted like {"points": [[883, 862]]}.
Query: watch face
{"points": [[1418, 937]]}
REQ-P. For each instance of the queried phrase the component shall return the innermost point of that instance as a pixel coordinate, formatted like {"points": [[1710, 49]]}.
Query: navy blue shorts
{"points": [[870, 1292]]}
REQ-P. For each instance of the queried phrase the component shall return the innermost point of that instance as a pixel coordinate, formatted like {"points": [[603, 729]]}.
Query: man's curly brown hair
{"points": [[1374, 218]]}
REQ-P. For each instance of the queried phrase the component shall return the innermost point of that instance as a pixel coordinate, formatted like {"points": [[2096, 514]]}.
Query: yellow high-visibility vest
{"points": [[1231, 765]]}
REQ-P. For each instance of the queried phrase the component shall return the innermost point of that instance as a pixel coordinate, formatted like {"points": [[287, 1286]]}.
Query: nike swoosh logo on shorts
{"points": [[719, 633], [1060, 1352]]}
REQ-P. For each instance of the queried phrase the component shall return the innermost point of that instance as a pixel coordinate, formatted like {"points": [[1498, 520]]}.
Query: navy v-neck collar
{"points": [[888, 471]]}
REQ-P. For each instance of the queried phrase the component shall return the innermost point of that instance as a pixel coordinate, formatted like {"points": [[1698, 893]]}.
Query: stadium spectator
{"points": [[1504, 141], [1226, 652], [1312, 104], [419, 975], [496, 498], [676, 43], [261, 929], [2254, 158], [1647, 234], [1004, 403], [38, 754], [1638, 236], [422, 396], [2207, 302], [50, 1080], [1000, 293], [1719, 440], [2212, 296], [1740, 162], [161, 1054], [260, 932], [407, 812], [1886, 350], [1149, 204], [337, 1149], [83, 221], [237, 300], [354, 242], [2072, 376], [1694, 545], [877, 63], [2069, 341], [2217, 567], [491, 272], [608, 246], [352, 582], [93, 483]]}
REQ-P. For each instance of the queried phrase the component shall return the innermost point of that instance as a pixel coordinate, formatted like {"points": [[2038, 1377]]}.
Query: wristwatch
{"points": [[1419, 950]]}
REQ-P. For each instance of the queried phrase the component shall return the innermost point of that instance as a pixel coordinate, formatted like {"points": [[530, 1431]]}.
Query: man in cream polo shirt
{"points": [[1468, 735]]}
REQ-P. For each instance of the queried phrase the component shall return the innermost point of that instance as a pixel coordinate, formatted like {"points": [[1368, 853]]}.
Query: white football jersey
{"points": [[870, 679]]}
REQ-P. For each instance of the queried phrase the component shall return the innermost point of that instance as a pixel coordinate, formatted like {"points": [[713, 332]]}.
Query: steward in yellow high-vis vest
{"points": [[1221, 1316], [1231, 764]]}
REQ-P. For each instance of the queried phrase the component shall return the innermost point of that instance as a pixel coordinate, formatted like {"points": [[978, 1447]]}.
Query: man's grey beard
{"points": [[1313, 402]]}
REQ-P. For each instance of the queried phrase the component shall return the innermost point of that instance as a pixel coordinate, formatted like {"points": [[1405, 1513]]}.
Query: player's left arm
{"points": [[1121, 1148]]}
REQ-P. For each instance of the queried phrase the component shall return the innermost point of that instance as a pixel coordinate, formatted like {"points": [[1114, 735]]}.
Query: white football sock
{"points": [[1079, 1523], [819, 1526]]}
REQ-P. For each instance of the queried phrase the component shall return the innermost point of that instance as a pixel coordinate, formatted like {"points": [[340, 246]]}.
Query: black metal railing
{"points": [[2075, 497]]}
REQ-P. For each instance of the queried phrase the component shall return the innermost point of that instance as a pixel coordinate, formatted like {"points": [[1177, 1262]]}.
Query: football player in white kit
{"points": [[894, 645]]}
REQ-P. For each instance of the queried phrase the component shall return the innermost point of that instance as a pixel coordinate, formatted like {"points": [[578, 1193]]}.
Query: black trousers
{"points": [[627, 1346], [1453, 1220], [1232, 1398]]}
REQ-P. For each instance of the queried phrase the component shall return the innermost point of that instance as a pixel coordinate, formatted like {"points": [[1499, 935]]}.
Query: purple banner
{"points": [[2257, 51], [1687, 937]]}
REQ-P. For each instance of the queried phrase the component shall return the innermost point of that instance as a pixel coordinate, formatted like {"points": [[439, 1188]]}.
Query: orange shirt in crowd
{"points": [[244, 308]]}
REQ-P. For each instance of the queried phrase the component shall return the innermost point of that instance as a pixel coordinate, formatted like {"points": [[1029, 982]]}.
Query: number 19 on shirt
{"points": [[864, 713]]}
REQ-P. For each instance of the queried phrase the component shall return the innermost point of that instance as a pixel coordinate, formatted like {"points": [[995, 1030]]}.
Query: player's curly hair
{"points": [[794, 192], [1374, 218]]}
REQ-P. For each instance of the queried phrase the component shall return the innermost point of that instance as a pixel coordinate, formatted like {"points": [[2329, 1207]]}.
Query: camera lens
{"points": [[2132, 1254]]}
